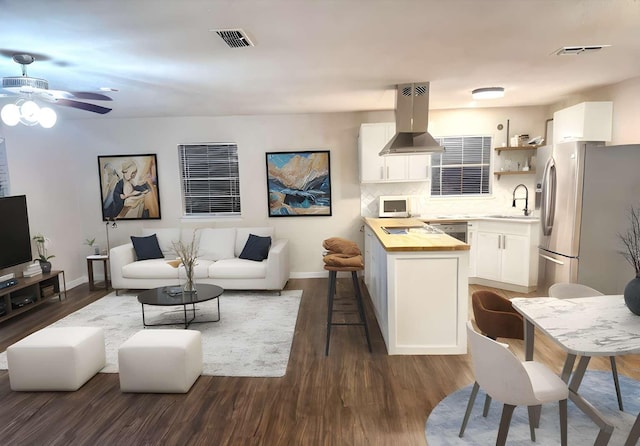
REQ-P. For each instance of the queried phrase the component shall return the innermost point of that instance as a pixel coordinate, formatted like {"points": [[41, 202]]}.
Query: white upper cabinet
{"points": [[418, 167], [587, 121], [381, 169]]}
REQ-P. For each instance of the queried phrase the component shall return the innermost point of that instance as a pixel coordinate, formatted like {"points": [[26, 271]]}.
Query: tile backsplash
{"points": [[499, 202]]}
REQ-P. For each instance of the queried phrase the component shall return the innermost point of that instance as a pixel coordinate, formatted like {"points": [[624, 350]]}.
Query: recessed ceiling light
{"points": [[488, 93]]}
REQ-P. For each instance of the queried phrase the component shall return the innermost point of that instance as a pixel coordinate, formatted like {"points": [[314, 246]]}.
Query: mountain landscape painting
{"points": [[299, 183]]}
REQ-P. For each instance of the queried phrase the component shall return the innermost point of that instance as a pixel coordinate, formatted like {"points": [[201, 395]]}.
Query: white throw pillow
{"points": [[216, 243]]}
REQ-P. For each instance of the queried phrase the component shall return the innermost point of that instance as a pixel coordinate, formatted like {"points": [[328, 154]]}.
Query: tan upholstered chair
{"points": [[495, 316]]}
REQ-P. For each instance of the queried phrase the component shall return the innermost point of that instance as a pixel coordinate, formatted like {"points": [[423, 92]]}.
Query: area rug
{"points": [[443, 424], [252, 338]]}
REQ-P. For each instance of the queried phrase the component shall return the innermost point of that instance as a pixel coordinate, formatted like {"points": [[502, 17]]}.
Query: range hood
{"points": [[412, 119]]}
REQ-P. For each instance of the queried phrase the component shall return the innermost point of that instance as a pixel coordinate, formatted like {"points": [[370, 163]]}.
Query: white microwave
{"points": [[398, 206]]}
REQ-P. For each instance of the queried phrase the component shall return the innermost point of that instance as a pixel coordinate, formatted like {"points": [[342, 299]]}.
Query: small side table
{"points": [[98, 258]]}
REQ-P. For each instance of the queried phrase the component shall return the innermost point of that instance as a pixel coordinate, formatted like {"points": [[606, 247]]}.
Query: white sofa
{"points": [[218, 262]]}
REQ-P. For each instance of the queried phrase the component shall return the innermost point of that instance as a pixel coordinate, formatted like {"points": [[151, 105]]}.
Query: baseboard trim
{"points": [[317, 275], [501, 285]]}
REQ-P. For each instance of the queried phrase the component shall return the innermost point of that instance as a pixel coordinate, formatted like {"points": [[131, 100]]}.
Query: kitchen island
{"points": [[418, 283]]}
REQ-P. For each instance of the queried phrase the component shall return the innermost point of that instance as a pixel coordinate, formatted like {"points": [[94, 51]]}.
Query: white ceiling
{"points": [[318, 55]]}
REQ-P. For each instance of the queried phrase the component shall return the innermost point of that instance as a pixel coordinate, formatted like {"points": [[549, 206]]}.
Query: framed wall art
{"points": [[299, 183], [129, 187]]}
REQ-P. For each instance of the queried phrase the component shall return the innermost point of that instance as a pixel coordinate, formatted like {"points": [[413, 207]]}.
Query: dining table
{"points": [[583, 327]]}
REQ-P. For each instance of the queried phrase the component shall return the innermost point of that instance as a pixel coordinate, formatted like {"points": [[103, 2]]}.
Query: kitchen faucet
{"points": [[526, 209]]}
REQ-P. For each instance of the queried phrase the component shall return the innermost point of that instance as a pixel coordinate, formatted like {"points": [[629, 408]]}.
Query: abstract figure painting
{"points": [[299, 183], [129, 187]]}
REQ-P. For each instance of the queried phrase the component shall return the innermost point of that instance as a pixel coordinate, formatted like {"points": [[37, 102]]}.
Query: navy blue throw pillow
{"points": [[147, 247], [256, 248]]}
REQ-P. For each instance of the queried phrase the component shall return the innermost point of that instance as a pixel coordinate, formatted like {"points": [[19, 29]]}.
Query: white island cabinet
{"points": [[418, 285]]}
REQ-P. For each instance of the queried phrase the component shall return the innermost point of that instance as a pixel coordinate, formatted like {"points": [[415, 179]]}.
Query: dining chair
{"points": [[514, 383], [564, 290], [496, 318]]}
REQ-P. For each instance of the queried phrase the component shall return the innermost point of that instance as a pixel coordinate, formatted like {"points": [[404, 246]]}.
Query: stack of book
{"points": [[32, 270]]}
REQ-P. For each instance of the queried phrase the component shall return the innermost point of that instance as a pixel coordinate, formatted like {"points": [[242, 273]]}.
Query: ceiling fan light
{"points": [[488, 93], [29, 113], [48, 117], [10, 114]]}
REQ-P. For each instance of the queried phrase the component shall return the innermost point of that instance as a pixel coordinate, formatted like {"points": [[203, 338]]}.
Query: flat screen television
{"points": [[15, 239]]}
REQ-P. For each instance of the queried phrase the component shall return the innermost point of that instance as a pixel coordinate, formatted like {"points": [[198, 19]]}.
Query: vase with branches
{"points": [[188, 255], [631, 242]]}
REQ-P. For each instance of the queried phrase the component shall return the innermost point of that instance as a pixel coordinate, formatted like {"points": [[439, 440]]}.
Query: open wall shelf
{"points": [[500, 149], [514, 172]]}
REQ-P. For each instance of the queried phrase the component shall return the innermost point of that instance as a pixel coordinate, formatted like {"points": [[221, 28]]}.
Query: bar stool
{"points": [[333, 270]]}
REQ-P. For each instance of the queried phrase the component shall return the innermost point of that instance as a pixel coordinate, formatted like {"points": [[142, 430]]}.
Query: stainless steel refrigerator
{"points": [[586, 191]]}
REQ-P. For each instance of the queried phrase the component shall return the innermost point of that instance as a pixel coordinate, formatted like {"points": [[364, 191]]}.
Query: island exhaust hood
{"points": [[412, 119]]}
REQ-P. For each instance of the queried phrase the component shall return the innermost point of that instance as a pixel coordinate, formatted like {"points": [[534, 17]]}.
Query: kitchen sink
{"points": [[516, 217], [400, 230]]}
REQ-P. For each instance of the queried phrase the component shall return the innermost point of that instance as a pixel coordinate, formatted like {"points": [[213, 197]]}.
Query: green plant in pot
{"points": [[41, 245], [91, 243], [631, 242]]}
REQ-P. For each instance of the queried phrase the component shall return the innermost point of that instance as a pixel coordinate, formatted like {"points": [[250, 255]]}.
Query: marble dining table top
{"points": [[586, 326]]}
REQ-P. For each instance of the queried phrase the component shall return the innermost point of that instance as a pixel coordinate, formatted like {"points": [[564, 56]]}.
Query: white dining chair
{"points": [[514, 383], [564, 290], [496, 318]]}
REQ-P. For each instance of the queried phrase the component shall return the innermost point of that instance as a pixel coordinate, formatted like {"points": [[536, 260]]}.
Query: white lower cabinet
{"points": [[504, 255]]}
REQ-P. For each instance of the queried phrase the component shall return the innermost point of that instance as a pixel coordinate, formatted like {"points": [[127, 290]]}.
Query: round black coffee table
{"points": [[173, 296]]}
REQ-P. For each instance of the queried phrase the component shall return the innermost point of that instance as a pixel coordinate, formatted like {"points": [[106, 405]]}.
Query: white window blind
{"points": [[210, 179], [463, 168]]}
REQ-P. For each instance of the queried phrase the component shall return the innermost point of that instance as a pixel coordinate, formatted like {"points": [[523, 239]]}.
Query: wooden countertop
{"points": [[412, 241]]}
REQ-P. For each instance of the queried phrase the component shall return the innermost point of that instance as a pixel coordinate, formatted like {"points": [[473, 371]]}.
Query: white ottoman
{"points": [[61, 358], [160, 361]]}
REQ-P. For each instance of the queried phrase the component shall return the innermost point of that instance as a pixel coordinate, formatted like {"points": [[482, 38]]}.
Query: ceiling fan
{"points": [[28, 89]]}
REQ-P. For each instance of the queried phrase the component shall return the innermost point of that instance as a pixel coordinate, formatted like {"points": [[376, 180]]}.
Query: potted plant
{"points": [[41, 245], [631, 242], [90, 242]]}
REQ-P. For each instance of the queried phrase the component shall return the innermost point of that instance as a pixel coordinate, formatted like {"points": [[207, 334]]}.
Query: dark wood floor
{"points": [[350, 398]]}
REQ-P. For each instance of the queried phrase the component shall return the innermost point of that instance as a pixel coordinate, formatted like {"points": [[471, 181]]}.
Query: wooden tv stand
{"points": [[35, 289]]}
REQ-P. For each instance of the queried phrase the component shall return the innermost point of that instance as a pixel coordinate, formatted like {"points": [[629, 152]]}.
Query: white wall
{"points": [[57, 170]]}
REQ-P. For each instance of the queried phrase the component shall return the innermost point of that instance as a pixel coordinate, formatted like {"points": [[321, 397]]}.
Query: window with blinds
{"points": [[463, 168], [210, 179]]}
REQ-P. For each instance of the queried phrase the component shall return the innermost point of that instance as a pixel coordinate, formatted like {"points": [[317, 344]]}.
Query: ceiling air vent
{"points": [[575, 50], [235, 38]]}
